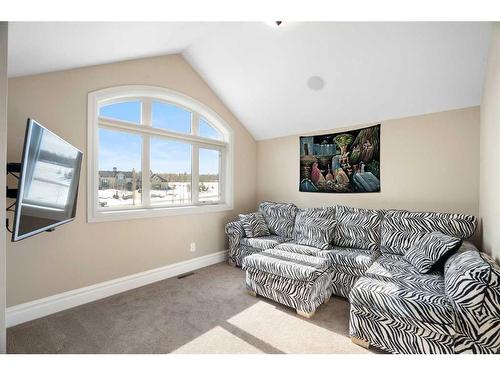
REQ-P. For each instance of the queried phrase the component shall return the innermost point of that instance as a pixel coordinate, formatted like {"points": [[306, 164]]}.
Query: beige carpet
{"points": [[208, 312]]}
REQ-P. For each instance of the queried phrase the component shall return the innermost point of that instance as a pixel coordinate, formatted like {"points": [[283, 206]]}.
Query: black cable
{"points": [[9, 208], [7, 225]]}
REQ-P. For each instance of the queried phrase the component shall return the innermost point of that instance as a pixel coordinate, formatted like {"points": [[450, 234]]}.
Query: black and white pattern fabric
{"points": [[235, 233], [342, 283], [401, 230], [296, 280], [396, 335], [254, 225], [472, 282], [241, 246], [348, 265], [430, 249], [290, 265], [358, 228], [280, 217], [405, 302], [294, 247], [315, 226], [350, 257], [241, 253], [303, 296], [398, 309], [394, 306], [262, 243], [394, 269]]}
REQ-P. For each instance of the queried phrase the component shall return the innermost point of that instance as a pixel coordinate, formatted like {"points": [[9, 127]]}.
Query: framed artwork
{"points": [[346, 162]]}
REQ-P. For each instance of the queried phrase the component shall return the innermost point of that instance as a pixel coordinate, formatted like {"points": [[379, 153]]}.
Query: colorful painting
{"points": [[347, 162]]}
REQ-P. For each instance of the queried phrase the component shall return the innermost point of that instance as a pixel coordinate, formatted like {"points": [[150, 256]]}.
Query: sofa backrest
{"points": [[280, 217], [472, 283], [400, 230], [315, 227], [358, 228]]}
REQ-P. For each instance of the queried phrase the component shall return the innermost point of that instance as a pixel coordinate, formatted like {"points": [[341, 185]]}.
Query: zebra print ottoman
{"points": [[300, 281]]}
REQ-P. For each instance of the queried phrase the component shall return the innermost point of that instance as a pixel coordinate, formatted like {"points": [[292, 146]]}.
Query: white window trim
{"points": [[131, 92]]}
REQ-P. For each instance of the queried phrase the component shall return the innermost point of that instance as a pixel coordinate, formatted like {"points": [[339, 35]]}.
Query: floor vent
{"points": [[185, 275]]}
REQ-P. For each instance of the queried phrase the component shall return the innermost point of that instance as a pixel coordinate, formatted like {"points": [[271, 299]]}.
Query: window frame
{"points": [[148, 94]]}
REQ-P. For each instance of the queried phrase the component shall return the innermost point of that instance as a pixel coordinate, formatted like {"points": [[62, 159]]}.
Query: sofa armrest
{"points": [[466, 246], [472, 284], [235, 233]]}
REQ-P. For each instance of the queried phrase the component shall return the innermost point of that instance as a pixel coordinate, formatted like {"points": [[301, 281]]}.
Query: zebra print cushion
{"points": [[393, 268], [254, 225], [290, 265], [352, 258], [262, 243], [358, 228], [401, 230], [294, 247], [472, 282], [430, 249], [315, 226], [280, 217]]}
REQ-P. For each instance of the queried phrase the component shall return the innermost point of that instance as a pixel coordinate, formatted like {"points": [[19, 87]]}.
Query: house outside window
{"points": [[184, 146]]}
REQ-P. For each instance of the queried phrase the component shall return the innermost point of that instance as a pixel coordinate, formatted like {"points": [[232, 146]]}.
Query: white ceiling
{"points": [[372, 71]]}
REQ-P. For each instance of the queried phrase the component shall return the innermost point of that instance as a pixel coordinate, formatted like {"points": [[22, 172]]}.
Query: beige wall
{"points": [[428, 162], [3, 136], [489, 203], [81, 254]]}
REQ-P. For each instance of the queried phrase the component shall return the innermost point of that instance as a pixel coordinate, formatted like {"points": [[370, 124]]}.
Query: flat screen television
{"points": [[48, 182]]}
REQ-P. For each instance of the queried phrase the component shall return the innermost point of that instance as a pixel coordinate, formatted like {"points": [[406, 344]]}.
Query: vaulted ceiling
{"points": [[362, 72]]}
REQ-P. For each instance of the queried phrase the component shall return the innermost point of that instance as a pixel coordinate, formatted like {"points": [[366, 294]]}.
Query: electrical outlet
{"points": [[192, 248]]}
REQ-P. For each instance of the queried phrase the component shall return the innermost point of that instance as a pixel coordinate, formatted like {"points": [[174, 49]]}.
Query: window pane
{"points": [[208, 131], [170, 117], [119, 168], [170, 172], [208, 187], [127, 111]]}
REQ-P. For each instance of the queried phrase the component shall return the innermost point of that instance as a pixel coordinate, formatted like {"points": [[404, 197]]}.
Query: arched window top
{"points": [[156, 152], [207, 130], [126, 103]]}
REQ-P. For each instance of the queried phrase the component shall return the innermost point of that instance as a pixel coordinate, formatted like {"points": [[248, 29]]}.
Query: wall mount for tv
{"points": [[14, 169]]}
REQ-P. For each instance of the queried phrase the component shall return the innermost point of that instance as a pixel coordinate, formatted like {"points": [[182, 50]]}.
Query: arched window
{"points": [[154, 152]]}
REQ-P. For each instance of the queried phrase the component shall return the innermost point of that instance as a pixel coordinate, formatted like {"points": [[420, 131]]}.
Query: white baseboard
{"points": [[45, 306]]}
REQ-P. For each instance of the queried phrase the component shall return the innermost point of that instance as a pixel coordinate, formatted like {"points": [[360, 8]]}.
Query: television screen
{"points": [[48, 183]]}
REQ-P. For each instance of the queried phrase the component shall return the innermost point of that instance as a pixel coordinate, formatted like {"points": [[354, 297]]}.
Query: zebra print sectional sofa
{"points": [[397, 304]]}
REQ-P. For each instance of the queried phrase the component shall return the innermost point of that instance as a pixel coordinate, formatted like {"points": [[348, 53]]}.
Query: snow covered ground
{"points": [[179, 194], [50, 184]]}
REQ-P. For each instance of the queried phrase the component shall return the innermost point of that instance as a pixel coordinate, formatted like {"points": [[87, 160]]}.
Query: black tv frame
{"points": [[19, 168]]}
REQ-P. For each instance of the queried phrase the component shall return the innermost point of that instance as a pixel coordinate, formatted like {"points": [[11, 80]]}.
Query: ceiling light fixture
{"points": [[275, 24]]}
